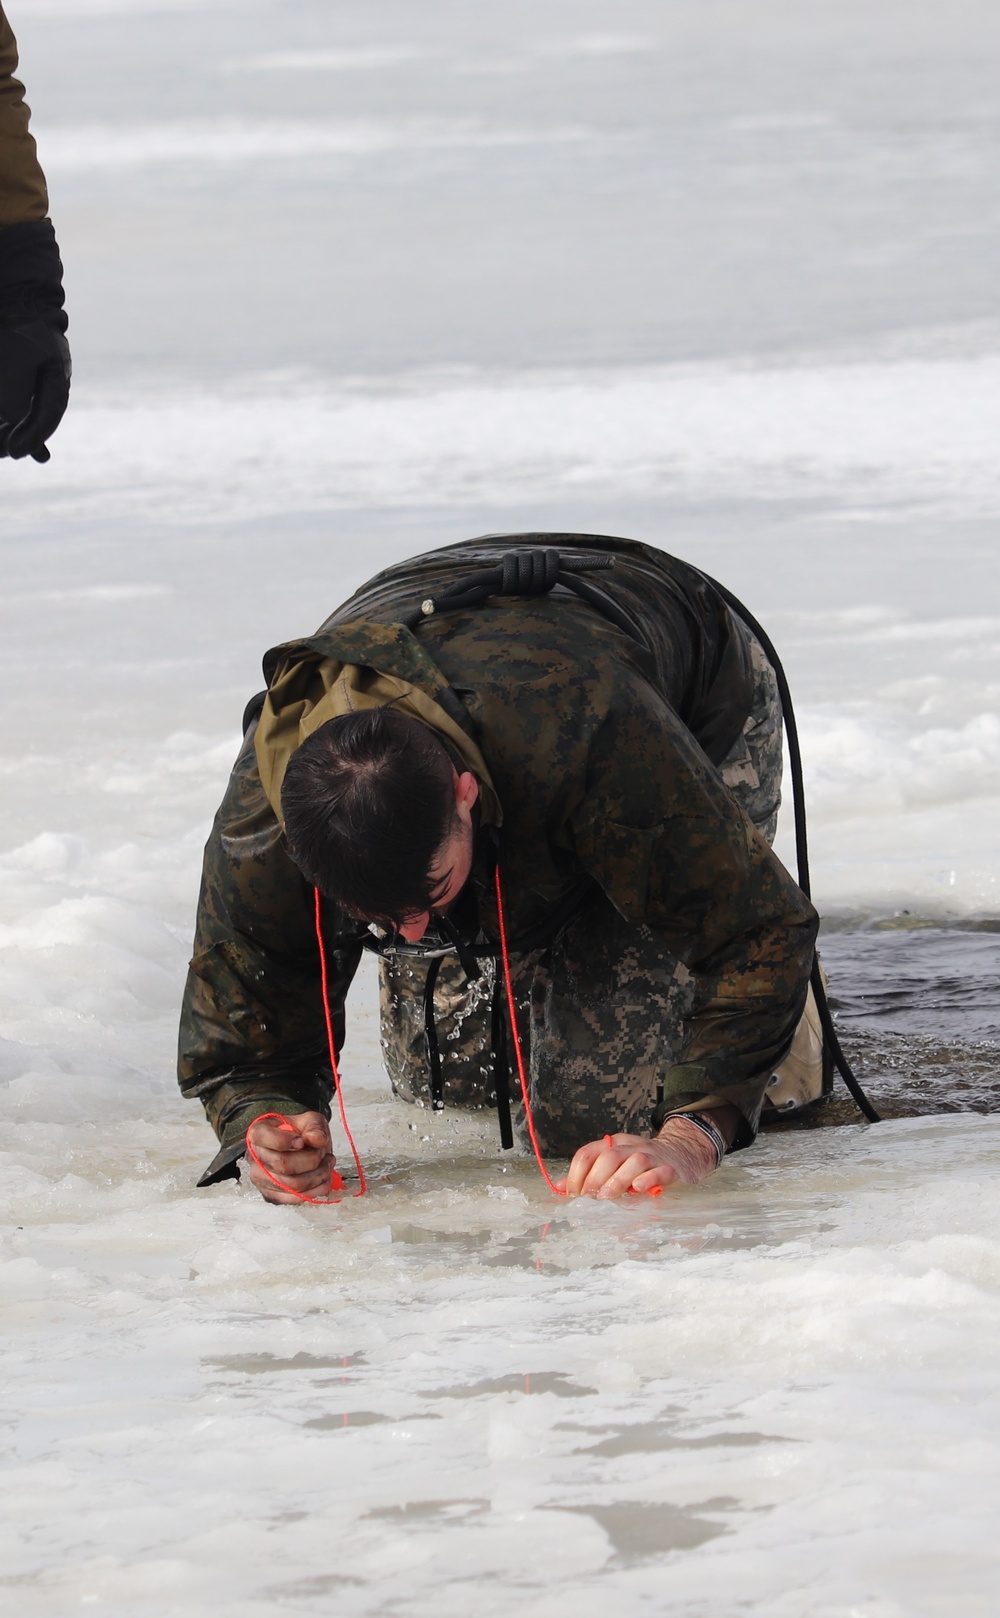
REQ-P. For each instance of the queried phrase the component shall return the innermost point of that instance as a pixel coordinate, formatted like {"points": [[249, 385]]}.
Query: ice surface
{"points": [[346, 283]]}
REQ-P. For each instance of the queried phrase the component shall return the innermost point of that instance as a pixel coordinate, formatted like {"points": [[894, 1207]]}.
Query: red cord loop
{"points": [[336, 1183]]}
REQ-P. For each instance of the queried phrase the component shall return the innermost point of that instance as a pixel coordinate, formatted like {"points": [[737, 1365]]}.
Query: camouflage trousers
{"points": [[603, 1007]]}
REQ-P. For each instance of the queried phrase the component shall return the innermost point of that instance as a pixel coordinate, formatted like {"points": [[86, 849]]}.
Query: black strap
{"points": [[501, 1066], [498, 1043], [468, 956], [432, 1049]]}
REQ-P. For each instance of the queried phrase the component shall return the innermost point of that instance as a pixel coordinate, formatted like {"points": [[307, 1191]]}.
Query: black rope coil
{"points": [[801, 843], [533, 570]]}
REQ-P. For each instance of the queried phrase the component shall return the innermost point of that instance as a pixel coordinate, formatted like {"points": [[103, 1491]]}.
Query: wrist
{"points": [[31, 274], [700, 1133]]}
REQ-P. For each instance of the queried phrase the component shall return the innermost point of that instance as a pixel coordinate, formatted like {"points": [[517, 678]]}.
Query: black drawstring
{"points": [[498, 1045], [432, 1049], [501, 1067], [467, 955]]}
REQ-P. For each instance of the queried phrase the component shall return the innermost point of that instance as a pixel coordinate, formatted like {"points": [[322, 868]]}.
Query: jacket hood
{"points": [[359, 664]]}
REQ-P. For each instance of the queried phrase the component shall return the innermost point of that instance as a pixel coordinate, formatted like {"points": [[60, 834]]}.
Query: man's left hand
{"points": [[680, 1155]]}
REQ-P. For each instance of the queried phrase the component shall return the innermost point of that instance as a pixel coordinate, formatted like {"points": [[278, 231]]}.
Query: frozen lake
{"points": [[347, 282]]}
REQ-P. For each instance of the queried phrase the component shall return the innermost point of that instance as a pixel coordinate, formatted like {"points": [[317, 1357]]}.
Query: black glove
{"points": [[34, 354]]}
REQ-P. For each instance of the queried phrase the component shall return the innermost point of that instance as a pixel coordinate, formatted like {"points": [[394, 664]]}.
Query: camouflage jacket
{"points": [[596, 752]]}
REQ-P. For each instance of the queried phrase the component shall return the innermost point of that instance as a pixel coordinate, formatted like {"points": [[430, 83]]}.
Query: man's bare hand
{"points": [[300, 1158], [680, 1155]]}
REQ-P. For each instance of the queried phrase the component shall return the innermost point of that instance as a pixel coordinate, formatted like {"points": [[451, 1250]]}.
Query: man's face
{"points": [[451, 868]]}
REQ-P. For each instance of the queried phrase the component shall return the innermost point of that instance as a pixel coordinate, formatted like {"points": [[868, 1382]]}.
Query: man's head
{"points": [[379, 819]]}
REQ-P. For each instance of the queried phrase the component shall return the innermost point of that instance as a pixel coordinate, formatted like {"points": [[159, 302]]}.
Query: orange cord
{"points": [[285, 1124], [654, 1191], [332, 1047], [512, 1010], [336, 1183]]}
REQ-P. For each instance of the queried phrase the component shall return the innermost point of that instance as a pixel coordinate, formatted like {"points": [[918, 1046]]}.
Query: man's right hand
{"points": [[301, 1158]]}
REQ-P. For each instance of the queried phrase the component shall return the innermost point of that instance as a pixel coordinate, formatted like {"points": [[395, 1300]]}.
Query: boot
{"points": [[806, 1074]]}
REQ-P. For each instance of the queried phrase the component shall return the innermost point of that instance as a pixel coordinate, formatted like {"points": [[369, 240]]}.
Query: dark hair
{"points": [[368, 801]]}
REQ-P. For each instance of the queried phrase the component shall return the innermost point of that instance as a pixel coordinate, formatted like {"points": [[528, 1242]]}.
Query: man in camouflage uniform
{"points": [[626, 748]]}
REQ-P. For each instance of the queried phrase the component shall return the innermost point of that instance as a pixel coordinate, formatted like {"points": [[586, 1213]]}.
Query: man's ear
{"points": [[466, 791]]}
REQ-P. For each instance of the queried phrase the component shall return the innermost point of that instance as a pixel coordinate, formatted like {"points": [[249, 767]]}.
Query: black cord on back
{"points": [[801, 840]]}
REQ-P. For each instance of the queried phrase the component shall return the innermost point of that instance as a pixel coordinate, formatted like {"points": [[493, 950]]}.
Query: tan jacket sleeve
{"points": [[23, 193]]}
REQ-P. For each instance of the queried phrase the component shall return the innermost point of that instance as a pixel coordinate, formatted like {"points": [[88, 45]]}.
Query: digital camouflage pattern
{"points": [[602, 756]]}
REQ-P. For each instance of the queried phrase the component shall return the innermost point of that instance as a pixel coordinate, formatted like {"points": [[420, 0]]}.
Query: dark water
{"points": [[918, 1013]]}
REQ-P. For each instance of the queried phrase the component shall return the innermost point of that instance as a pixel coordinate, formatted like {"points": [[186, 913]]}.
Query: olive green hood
{"points": [[356, 666]]}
